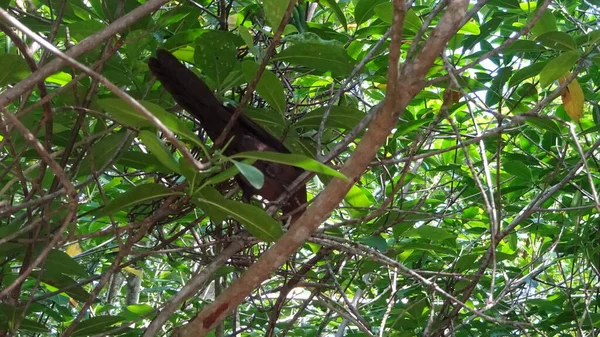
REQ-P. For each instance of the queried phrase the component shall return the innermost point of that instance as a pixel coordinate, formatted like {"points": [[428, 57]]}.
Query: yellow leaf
{"points": [[232, 21], [136, 272], [74, 249], [572, 97]]}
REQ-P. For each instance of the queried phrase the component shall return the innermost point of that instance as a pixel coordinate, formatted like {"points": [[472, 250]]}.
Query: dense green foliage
{"points": [[485, 195]]}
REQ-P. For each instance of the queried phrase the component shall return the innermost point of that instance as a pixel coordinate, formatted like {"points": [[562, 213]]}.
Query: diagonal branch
{"points": [[85, 45], [111, 86]]}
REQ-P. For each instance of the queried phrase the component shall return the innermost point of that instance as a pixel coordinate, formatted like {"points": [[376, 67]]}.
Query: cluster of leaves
{"points": [[486, 188]]}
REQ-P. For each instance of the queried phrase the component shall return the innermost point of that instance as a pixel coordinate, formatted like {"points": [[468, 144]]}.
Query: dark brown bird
{"points": [[191, 93]]}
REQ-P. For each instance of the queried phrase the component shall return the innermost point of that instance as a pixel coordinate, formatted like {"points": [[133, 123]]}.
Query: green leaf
{"points": [[523, 46], [510, 4], [255, 220], [254, 176], [159, 150], [225, 175], [373, 29], [365, 9], [525, 73], [321, 57], [427, 248], [96, 325], [123, 113], [291, 29], [142, 161], [339, 117], [544, 124], [407, 127], [274, 11], [269, 119], [385, 11], [79, 30], [191, 173], [547, 23], [10, 248], [216, 55], [8, 230], [33, 326], [376, 242], [13, 68], [127, 115], [183, 38], [215, 214], [103, 152], [518, 169], [140, 310], [134, 196], [557, 67], [337, 11], [61, 78], [467, 262], [225, 271], [471, 27], [297, 160], [429, 232], [247, 37], [60, 281], [185, 54], [9, 312], [558, 41], [588, 39], [412, 21], [269, 86], [234, 79], [358, 198], [494, 94], [173, 123], [60, 261], [9, 315]]}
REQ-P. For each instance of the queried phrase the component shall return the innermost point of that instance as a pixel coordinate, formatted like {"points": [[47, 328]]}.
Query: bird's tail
{"points": [[190, 92]]}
